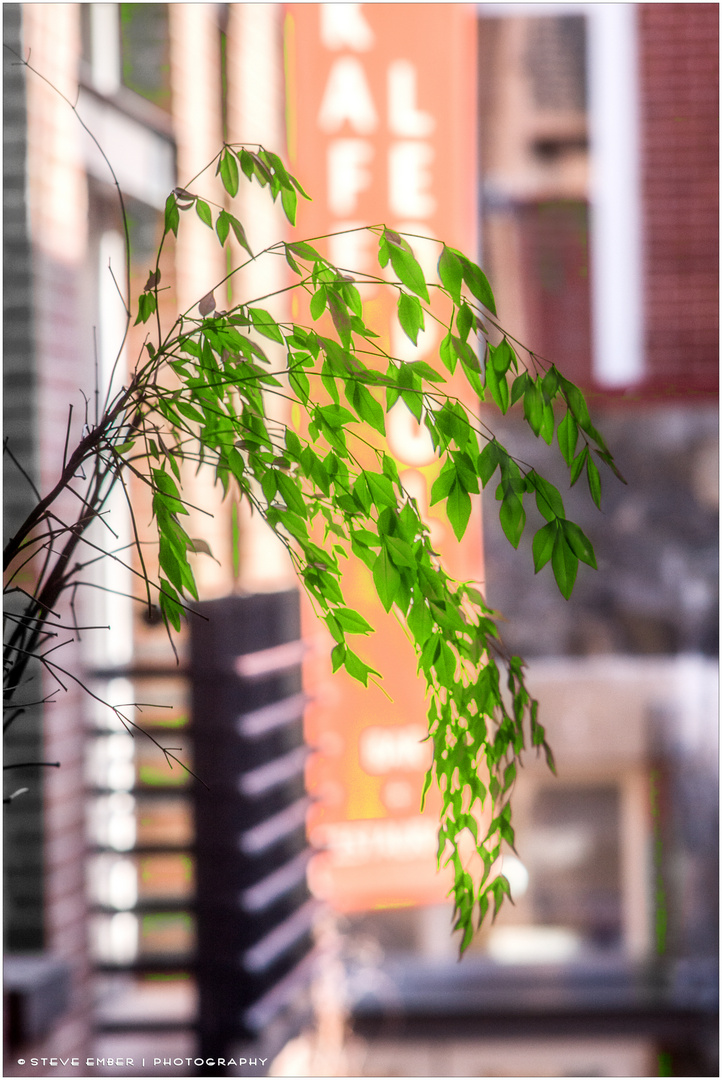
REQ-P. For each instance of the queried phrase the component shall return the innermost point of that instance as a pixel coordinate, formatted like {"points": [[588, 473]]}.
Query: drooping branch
{"points": [[328, 488]]}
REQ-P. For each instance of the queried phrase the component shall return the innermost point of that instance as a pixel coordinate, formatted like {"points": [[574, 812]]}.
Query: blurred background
{"points": [[294, 917]]}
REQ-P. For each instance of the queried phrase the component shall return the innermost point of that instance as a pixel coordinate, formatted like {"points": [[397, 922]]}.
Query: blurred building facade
{"points": [[598, 205], [597, 222], [100, 866], [650, 617]]}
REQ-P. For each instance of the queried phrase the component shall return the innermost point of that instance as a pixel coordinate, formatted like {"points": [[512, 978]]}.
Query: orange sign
{"points": [[382, 128]]}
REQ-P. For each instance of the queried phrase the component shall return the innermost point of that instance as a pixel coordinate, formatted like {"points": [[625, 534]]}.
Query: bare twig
{"points": [[18, 466]]}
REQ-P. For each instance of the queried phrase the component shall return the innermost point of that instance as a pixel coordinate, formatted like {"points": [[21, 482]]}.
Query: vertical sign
{"points": [[381, 129]]}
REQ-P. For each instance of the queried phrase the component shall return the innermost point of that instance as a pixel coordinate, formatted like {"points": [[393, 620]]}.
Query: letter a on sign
{"points": [[347, 99]]}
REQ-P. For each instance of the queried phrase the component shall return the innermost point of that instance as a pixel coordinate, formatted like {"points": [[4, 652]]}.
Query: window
{"points": [[145, 51], [573, 854], [127, 46]]}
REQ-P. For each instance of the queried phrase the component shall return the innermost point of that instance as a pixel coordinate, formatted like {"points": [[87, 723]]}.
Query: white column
{"points": [[615, 196]]}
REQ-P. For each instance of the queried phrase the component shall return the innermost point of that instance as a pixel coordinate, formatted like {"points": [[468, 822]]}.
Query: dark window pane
{"points": [[576, 880], [557, 62]]}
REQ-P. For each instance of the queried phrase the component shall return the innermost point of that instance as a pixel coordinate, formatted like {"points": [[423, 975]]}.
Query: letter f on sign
{"points": [[347, 174]]}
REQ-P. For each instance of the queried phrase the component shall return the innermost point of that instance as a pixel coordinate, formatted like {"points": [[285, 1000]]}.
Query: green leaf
{"points": [[335, 415], [443, 484], [146, 307], [275, 164], [450, 273], [548, 500], [401, 552], [420, 367], [547, 425], [170, 604], [458, 508], [447, 352], [126, 447], [465, 471], [318, 303], [223, 226], [335, 630], [351, 297], [366, 406], [300, 384], [292, 262], [269, 485], [580, 544], [543, 544], [229, 173], [470, 363], [567, 434], [464, 321], [411, 315], [512, 518], [577, 404], [204, 213], [420, 621], [594, 481], [477, 282], [187, 410], [406, 267], [501, 357], [352, 622], [168, 492], [356, 668], [497, 384], [488, 460], [266, 325], [238, 231], [289, 200], [298, 187], [387, 579], [305, 251], [381, 489], [341, 318], [500, 888], [578, 465], [550, 384], [564, 564], [533, 406], [172, 217], [607, 458], [338, 656], [519, 386], [291, 494]]}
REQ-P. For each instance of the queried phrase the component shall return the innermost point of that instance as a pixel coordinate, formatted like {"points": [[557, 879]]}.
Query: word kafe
{"points": [[348, 105], [126, 1063]]}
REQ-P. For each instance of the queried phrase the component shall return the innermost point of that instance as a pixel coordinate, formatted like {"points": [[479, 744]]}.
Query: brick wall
{"points": [[679, 96], [57, 225], [23, 886]]}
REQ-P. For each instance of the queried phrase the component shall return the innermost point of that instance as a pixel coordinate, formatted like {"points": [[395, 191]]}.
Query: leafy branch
{"points": [[203, 393]]}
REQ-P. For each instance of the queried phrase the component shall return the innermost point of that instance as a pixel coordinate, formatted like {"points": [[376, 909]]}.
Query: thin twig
{"points": [[18, 466], [67, 435], [33, 765]]}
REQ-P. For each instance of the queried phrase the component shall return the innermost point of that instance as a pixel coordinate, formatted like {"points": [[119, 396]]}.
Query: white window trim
{"points": [[616, 229], [105, 47]]}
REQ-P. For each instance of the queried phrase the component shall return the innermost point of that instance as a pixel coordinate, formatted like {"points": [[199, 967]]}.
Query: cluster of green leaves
{"points": [[314, 485], [331, 491]]}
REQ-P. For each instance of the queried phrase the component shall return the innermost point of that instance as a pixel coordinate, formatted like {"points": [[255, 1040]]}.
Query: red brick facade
{"points": [[678, 45]]}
